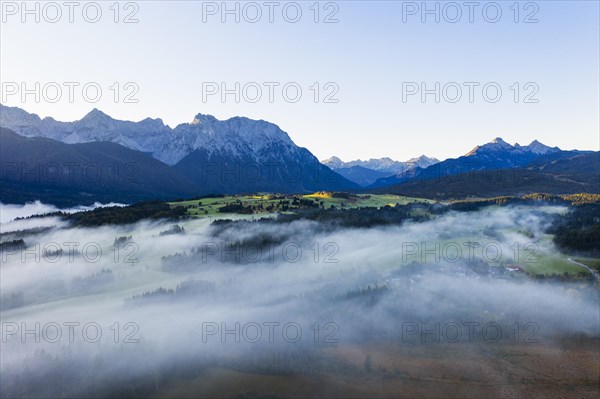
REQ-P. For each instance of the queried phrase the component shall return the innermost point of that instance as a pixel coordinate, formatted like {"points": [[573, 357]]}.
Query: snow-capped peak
{"points": [[423, 161], [96, 115], [202, 118], [499, 143], [496, 144], [385, 164], [333, 162], [535, 147], [238, 136], [538, 148]]}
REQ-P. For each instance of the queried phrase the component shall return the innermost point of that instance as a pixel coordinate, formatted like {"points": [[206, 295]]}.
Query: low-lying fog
{"points": [[72, 287], [9, 212]]}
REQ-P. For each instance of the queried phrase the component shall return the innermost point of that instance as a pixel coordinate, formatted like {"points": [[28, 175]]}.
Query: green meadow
{"points": [[269, 203]]}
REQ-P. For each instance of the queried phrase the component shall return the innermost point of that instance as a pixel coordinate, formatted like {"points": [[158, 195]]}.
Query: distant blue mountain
{"points": [[497, 154], [367, 172]]}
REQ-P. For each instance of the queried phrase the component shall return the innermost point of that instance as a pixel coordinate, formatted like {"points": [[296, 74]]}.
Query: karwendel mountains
{"points": [[98, 158], [206, 156]]}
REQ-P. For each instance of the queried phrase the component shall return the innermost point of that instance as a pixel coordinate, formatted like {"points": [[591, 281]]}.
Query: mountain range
{"points": [[38, 168], [367, 172], [213, 156], [496, 154], [565, 172], [499, 168], [98, 158]]}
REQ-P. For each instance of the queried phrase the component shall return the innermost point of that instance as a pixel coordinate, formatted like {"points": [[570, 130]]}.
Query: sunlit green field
{"points": [[209, 207]]}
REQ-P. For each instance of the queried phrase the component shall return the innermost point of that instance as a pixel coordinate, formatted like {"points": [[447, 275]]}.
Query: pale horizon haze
{"points": [[367, 57]]}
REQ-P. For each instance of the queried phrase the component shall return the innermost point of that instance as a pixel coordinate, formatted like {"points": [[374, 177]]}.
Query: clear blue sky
{"points": [[171, 53]]}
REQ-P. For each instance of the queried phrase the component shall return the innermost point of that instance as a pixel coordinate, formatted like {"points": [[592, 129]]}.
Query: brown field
{"points": [[557, 369]]}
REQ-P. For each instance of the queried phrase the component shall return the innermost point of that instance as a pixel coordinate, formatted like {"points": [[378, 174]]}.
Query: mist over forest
{"points": [[143, 304]]}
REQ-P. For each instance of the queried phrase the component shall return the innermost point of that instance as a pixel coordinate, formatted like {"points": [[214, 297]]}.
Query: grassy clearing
{"points": [[209, 207], [551, 264], [593, 263]]}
